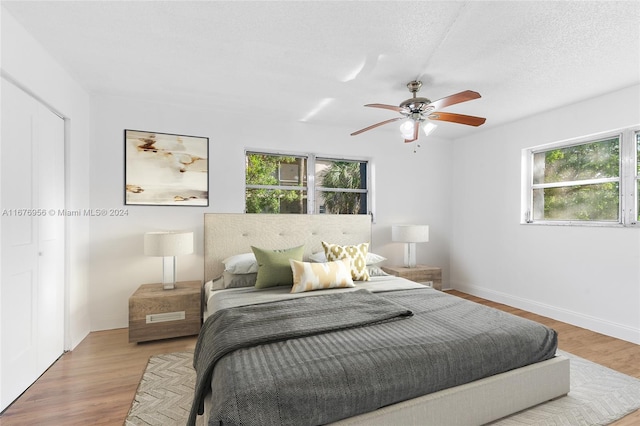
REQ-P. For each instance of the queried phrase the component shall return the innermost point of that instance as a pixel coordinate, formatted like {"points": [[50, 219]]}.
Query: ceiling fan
{"points": [[416, 110]]}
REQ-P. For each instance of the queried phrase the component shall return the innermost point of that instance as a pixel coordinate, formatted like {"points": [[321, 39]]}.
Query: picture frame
{"points": [[165, 169]]}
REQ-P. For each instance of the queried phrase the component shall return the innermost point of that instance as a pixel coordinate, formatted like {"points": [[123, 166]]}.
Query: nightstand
{"points": [[421, 274], [155, 313]]}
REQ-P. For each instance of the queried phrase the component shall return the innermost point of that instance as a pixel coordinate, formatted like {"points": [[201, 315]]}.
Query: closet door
{"points": [[49, 136], [32, 234]]}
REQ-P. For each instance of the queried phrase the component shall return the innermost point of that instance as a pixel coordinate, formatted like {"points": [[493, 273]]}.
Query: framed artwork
{"points": [[163, 169]]}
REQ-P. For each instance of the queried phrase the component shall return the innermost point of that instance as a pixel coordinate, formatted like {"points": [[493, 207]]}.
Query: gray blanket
{"points": [[324, 377], [232, 329]]}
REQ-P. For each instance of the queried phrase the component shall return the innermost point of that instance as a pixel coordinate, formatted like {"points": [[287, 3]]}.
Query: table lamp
{"points": [[168, 245], [410, 235]]}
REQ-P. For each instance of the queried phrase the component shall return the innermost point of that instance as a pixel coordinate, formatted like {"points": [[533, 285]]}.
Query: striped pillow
{"points": [[357, 255], [318, 276]]}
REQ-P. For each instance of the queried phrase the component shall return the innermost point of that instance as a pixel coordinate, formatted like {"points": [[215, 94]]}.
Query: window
{"points": [[275, 183], [281, 183], [584, 181], [636, 214], [580, 182], [341, 186]]}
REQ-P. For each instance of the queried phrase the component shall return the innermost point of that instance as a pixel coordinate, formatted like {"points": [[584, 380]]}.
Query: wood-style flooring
{"points": [[96, 382]]}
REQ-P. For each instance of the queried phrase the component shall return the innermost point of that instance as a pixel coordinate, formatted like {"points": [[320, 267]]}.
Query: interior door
{"points": [[49, 134], [32, 234]]}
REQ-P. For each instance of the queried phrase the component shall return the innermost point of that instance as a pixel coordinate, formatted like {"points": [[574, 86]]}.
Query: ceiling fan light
{"points": [[406, 128], [429, 128]]}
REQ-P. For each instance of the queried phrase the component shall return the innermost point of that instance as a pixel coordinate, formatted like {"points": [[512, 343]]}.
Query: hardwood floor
{"points": [[95, 383], [92, 385]]}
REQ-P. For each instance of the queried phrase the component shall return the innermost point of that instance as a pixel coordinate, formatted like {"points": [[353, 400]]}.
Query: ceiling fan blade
{"points": [[373, 126], [465, 96], [416, 128], [469, 120], [384, 106]]}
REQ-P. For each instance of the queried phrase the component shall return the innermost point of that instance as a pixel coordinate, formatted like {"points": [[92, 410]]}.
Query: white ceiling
{"points": [[320, 61]]}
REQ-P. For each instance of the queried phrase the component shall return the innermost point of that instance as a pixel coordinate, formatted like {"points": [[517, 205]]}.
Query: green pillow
{"points": [[274, 267]]}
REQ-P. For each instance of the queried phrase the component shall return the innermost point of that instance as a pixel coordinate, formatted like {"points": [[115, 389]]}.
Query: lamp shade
{"points": [[410, 233], [168, 243]]}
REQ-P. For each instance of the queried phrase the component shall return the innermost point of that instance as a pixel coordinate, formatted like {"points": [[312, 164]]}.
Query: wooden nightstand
{"points": [[421, 274], [155, 313]]}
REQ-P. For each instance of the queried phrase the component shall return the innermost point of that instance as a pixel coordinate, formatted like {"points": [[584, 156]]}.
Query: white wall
{"points": [[410, 188], [468, 192], [27, 64], [587, 276]]}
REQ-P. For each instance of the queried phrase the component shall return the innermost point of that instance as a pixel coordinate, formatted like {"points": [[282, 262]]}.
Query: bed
{"points": [[404, 364]]}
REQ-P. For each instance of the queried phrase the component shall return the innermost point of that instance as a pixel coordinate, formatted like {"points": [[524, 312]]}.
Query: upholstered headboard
{"points": [[226, 234]]}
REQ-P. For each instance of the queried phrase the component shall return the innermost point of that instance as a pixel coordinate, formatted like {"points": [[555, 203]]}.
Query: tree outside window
{"points": [[342, 186], [580, 182], [275, 184], [279, 184]]}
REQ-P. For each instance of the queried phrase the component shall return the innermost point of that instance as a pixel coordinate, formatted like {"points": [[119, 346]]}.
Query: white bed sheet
{"points": [[232, 297]]}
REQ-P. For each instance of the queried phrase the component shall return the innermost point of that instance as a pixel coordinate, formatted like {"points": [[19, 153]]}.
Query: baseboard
{"points": [[599, 325], [108, 323]]}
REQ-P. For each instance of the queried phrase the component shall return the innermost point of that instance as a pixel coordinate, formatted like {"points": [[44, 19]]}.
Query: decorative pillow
{"points": [[317, 276], [241, 264], [318, 257], [376, 271], [273, 266], [372, 258], [239, 280], [356, 254], [211, 286]]}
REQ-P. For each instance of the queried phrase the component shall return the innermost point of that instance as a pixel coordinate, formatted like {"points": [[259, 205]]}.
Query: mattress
{"points": [[322, 378]]}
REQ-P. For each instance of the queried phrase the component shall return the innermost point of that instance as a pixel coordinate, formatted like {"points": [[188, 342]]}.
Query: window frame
{"points": [[633, 178], [318, 188], [311, 187], [300, 187], [627, 179]]}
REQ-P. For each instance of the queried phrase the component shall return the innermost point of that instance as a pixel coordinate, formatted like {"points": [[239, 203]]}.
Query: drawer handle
{"points": [[164, 317]]}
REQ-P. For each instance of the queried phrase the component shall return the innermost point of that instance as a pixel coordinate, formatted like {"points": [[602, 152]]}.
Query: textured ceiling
{"points": [[320, 61]]}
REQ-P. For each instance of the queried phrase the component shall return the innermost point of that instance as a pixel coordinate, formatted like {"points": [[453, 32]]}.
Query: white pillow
{"points": [[245, 263], [376, 271], [318, 257], [371, 258]]}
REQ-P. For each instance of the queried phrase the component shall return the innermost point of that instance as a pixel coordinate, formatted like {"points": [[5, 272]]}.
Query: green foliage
{"points": [[266, 170], [582, 201], [342, 174], [638, 155], [588, 161], [262, 169]]}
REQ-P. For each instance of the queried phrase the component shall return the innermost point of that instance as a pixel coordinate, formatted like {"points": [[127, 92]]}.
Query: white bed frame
{"points": [[474, 403]]}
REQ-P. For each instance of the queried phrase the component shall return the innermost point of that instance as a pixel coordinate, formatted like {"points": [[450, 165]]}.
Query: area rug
{"points": [[598, 396], [165, 391]]}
